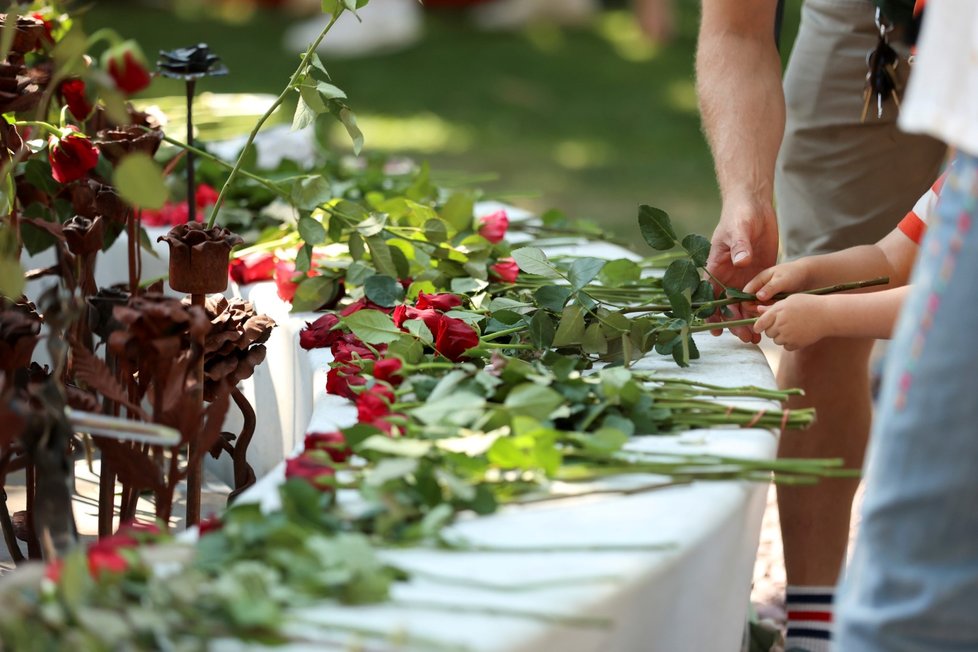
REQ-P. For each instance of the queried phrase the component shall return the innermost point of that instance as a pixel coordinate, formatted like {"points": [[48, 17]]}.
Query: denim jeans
{"points": [[912, 583]]}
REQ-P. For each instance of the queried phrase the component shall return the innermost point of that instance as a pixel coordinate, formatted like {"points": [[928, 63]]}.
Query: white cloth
{"points": [[942, 97]]}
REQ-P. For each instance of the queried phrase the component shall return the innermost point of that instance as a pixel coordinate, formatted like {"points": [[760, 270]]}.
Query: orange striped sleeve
{"points": [[914, 224]]}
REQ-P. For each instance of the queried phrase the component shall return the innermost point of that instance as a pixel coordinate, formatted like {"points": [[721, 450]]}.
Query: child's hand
{"points": [[795, 322], [786, 277]]}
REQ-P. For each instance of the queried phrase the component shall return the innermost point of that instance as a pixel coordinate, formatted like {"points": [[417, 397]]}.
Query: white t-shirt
{"points": [[942, 96]]}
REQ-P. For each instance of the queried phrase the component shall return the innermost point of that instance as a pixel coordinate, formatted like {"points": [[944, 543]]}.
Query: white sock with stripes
{"points": [[809, 618]]}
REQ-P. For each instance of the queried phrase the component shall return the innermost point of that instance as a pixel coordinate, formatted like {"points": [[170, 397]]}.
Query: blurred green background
{"points": [[593, 120]]}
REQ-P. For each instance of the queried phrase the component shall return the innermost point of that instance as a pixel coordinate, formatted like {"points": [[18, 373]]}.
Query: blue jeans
{"points": [[912, 583]]}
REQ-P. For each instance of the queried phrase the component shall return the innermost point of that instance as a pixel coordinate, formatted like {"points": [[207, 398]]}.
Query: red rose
{"points": [[287, 279], [105, 555], [403, 313], [493, 227], [340, 381], [105, 560], [212, 523], [388, 370], [344, 351], [252, 268], [374, 404], [73, 93], [332, 443], [441, 302], [506, 270], [169, 214], [316, 473], [363, 304], [320, 334], [48, 29], [454, 337], [127, 66], [205, 196], [72, 155]]}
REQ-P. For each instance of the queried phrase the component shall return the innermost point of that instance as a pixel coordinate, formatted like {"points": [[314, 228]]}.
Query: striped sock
{"points": [[809, 618]]}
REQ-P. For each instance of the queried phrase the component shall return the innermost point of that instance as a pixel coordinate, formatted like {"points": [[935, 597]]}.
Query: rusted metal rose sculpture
{"points": [[199, 257], [232, 350], [20, 326], [118, 142], [29, 33]]}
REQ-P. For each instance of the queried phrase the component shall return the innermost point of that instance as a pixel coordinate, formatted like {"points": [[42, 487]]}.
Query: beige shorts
{"points": [[841, 182]]}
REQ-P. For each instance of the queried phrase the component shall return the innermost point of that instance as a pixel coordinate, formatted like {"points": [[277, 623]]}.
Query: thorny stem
{"points": [[303, 65]]}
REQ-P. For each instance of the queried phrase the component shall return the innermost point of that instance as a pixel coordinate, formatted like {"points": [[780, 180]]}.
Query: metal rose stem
{"points": [[195, 463], [191, 190]]}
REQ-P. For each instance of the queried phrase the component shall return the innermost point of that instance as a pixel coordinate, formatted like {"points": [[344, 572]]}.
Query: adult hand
{"points": [[744, 244]]}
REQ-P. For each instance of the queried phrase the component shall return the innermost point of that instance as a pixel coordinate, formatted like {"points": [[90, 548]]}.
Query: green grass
{"points": [[591, 121]]}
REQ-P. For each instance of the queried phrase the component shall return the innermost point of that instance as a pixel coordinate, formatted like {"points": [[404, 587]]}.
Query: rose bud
{"points": [[316, 473], [332, 443], [493, 227], [252, 268], [320, 334], [441, 302], [505, 269], [127, 66], [73, 93], [72, 155], [388, 370]]}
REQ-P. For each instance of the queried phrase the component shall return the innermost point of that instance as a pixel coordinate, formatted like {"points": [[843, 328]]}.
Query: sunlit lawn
{"points": [[591, 121]]}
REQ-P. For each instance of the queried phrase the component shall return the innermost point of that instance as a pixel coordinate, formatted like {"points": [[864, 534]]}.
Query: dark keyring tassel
{"points": [[881, 78]]}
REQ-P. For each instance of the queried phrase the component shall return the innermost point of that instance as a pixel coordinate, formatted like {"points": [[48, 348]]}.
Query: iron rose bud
{"points": [[127, 66], [72, 155], [493, 227]]}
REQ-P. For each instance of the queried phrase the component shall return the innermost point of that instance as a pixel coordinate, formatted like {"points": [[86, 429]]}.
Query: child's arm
{"points": [[892, 256], [803, 319]]}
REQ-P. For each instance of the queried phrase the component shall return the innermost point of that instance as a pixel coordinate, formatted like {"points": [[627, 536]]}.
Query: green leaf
{"points": [[733, 293], [303, 259], [420, 330], [372, 326], [459, 409], [11, 278], [656, 228], [392, 468], [583, 271], [349, 120], [458, 211], [533, 261], [37, 171], [679, 282], [552, 297], [380, 254], [372, 225], [304, 115], [312, 99], [356, 246], [533, 400], [311, 230], [330, 92], [698, 248], [139, 181], [617, 273], [385, 291], [466, 285], [594, 340], [311, 192], [435, 231], [570, 330], [313, 293], [542, 330]]}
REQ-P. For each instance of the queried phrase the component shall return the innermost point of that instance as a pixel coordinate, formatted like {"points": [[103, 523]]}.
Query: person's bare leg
{"points": [[815, 519]]}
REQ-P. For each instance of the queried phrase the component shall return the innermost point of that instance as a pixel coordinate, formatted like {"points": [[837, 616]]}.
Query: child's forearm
{"points": [[853, 264], [872, 314]]}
